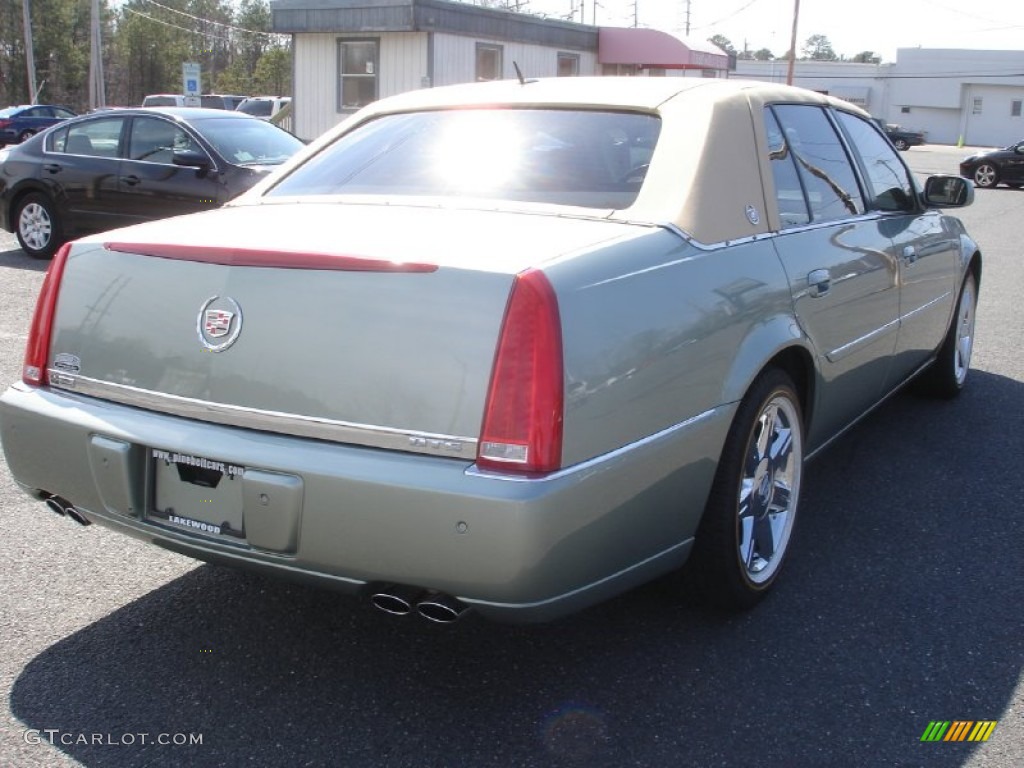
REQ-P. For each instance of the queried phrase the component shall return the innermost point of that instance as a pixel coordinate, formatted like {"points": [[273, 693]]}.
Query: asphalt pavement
{"points": [[901, 605]]}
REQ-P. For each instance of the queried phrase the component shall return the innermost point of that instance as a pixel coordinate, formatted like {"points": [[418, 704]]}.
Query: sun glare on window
{"points": [[478, 152]]}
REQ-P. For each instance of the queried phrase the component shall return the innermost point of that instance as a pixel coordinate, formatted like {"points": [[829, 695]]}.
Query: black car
{"points": [[19, 124], [997, 166], [901, 138], [124, 166]]}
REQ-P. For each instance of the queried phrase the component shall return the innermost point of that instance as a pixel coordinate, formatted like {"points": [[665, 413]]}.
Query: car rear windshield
{"points": [[582, 158], [244, 141], [259, 108]]}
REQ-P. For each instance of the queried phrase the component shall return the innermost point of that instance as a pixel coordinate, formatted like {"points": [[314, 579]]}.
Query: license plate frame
{"points": [[197, 494]]}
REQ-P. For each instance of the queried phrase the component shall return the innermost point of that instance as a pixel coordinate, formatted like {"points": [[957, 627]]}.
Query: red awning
{"points": [[654, 48]]}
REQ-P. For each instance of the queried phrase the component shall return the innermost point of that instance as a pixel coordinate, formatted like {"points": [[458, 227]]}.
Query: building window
{"points": [[656, 72], [488, 62], [568, 64], [976, 108], [904, 110], [357, 73], [1015, 106]]}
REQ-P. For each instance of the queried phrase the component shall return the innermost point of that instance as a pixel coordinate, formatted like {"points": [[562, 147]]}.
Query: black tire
{"points": [[985, 176], [25, 135], [37, 226], [901, 145], [947, 375], [744, 534]]}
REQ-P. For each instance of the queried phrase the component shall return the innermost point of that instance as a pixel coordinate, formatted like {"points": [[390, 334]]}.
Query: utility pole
{"points": [[97, 91], [792, 43], [687, 18], [30, 57]]}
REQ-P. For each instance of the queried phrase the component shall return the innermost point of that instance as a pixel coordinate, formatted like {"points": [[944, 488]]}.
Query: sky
{"points": [[852, 26]]}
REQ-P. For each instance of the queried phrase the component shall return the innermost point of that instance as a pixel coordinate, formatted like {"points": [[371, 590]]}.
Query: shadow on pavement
{"points": [[17, 259], [901, 605]]}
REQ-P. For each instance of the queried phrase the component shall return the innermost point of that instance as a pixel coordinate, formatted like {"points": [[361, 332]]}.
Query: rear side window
{"points": [[826, 175], [93, 138], [889, 184], [565, 157]]}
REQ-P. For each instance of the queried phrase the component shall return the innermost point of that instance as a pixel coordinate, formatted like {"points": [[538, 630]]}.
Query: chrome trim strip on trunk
{"points": [[411, 441]]}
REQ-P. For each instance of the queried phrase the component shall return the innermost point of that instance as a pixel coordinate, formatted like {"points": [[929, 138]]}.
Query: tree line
{"points": [[815, 48], [145, 43]]}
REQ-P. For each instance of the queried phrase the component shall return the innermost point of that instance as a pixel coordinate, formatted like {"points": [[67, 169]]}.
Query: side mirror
{"points": [[191, 158], [948, 191]]}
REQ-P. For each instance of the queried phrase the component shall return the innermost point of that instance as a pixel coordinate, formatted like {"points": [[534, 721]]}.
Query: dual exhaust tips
{"points": [[65, 508], [400, 600], [395, 599]]}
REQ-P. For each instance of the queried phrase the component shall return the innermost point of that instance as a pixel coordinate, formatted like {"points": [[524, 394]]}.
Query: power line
{"points": [[175, 26], [211, 21]]}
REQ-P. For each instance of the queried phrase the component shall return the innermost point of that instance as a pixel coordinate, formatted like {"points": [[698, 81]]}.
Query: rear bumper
{"points": [[354, 518]]}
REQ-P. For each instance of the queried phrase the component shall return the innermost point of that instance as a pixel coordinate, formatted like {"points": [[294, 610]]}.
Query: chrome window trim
{"points": [[596, 461], [292, 424]]}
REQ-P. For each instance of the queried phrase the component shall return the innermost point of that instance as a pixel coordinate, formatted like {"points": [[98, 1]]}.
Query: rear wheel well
{"points": [[796, 362]]}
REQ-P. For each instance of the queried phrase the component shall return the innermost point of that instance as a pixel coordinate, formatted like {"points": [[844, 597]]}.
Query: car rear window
{"points": [[585, 158], [259, 108]]}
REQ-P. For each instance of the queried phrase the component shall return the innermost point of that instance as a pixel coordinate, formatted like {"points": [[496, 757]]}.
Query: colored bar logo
{"points": [[958, 730]]}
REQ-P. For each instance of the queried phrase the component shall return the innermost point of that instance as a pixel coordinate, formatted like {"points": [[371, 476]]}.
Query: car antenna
{"points": [[519, 72]]}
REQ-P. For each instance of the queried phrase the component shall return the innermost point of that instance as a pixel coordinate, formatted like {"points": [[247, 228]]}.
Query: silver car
{"points": [[508, 347]]}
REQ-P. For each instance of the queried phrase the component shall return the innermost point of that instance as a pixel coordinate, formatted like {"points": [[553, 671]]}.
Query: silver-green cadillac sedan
{"points": [[511, 347]]}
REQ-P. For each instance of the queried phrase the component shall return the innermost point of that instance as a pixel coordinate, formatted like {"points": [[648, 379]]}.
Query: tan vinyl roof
{"points": [[706, 173]]}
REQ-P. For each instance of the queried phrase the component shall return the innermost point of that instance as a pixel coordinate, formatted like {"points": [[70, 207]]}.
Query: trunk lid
{"points": [[368, 324]]}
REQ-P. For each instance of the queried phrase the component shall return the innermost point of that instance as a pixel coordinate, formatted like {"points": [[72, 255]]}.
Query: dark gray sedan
{"points": [[122, 167]]}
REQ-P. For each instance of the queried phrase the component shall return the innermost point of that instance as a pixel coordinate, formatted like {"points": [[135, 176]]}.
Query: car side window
{"points": [[789, 192], [828, 179], [889, 183], [155, 141], [94, 138]]}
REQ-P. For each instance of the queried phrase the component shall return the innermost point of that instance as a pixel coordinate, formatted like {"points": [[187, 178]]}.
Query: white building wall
{"points": [[455, 59], [866, 85], [987, 115], [402, 66]]}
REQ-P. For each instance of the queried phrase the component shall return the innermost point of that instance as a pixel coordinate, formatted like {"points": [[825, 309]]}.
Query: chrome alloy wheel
{"points": [[986, 176], [964, 332], [34, 226], [769, 489]]}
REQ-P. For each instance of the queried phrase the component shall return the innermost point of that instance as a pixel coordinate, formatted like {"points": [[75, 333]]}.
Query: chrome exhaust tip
{"points": [[441, 608], [53, 502], [65, 508], [396, 599], [77, 516]]}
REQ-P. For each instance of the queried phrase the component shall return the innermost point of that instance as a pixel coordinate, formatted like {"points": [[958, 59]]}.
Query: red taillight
{"points": [[5, 123], [37, 351], [522, 429]]}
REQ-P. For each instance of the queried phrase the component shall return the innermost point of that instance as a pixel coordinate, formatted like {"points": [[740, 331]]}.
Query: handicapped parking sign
{"points": [[190, 78]]}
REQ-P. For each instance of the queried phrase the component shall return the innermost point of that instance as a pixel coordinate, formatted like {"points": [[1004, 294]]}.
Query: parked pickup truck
{"points": [[901, 139]]}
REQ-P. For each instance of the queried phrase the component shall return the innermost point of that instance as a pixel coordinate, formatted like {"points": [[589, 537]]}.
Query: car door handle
{"points": [[909, 254], [52, 167], [131, 181], [820, 282]]}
